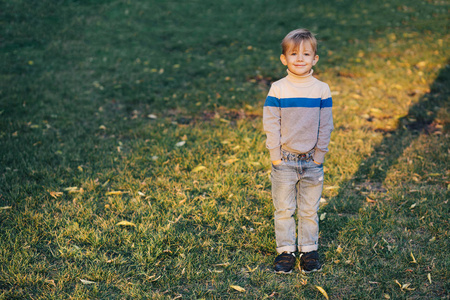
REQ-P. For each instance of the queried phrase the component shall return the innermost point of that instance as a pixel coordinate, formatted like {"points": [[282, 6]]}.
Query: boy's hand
{"points": [[276, 162]]}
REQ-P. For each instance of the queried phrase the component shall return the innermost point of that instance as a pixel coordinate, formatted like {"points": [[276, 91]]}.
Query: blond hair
{"points": [[296, 37]]}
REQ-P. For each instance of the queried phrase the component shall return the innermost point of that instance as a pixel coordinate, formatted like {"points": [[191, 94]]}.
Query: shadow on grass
{"points": [[372, 172]]}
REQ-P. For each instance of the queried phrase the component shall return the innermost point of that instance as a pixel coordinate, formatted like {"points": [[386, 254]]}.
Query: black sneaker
{"points": [[285, 262], [309, 262]]}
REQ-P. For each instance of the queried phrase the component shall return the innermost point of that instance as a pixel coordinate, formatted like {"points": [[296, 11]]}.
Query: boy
{"points": [[298, 123]]}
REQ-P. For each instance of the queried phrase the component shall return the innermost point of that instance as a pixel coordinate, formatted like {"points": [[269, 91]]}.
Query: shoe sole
{"points": [[312, 271], [283, 272]]}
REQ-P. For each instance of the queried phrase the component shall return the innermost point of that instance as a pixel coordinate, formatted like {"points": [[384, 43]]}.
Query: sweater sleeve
{"points": [[325, 125], [272, 123]]}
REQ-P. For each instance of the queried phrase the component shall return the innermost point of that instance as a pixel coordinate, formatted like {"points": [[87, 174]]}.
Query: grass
{"points": [[108, 108]]}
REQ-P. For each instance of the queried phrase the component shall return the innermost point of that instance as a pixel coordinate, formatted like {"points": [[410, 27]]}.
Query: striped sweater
{"points": [[297, 116]]}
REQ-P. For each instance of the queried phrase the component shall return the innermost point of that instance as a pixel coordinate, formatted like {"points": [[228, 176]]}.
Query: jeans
{"points": [[297, 184]]}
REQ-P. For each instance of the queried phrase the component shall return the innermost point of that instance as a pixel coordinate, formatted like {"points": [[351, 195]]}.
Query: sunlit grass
{"points": [[150, 113]]}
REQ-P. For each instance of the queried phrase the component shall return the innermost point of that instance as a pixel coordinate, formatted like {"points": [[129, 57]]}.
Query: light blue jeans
{"points": [[297, 184]]}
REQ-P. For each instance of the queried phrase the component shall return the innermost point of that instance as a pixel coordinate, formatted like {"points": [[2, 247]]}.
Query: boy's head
{"points": [[295, 38], [299, 51]]}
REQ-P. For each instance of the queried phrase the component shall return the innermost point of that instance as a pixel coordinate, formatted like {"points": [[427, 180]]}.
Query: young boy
{"points": [[298, 122]]}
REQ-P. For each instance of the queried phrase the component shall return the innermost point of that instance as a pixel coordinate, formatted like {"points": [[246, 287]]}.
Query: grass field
{"points": [[133, 161]]}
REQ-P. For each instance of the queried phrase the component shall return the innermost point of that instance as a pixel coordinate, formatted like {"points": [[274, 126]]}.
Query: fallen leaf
{"points": [[5, 207], [152, 116], [370, 200], [198, 168], [322, 216], [115, 193], [434, 174], [250, 270], [125, 223], [231, 160], [421, 64], [429, 277], [222, 265], [87, 281], [339, 249], [414, 259], [50, 281], [56, 194], [237, 288], [322, 291], [73, 189], [180, 144]]}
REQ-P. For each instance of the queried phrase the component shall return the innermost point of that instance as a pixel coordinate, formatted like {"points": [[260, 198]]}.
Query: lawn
{"points": [[133, 161]]}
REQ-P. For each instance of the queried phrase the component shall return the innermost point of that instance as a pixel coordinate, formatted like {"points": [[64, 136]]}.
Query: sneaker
{"points": [[285, 262], [309, 262]]}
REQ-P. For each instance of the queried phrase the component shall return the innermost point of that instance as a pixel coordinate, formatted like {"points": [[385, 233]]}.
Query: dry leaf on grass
{"points": [[237, 288], [198, 168], [56, 194], [87, 281], [115, 193], [50, 281], [231, 160], [125, 223], [322, 291], [414, 261], [5, 207]]}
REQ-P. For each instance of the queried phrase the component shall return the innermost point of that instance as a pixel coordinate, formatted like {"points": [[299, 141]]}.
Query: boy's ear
{"points": [[283, 59], [316, 59]]}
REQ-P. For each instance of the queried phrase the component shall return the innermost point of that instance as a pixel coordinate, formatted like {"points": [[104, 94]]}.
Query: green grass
{"points": [[80, 81]]}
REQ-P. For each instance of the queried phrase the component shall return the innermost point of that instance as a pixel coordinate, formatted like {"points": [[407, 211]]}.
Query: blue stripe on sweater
{"points": [[298, 102]]}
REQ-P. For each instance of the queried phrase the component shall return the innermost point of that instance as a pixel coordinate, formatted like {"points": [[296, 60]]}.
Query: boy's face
{"points": [[300, 59]]}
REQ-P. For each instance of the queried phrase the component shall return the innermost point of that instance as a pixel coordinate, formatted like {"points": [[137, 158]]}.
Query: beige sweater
{"points": [[297, 116]]}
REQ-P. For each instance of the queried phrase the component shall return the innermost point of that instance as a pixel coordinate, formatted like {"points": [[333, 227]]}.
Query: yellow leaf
{"points": [[429, 277], [115, 193], [237, 288], [414, 259], [87, 281], [56, 194], [322, 291], [50, 281], [250, 270], [339, 249], [231, 160], [421, 64], [5, 207], [125, 223], [198, 168]]}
